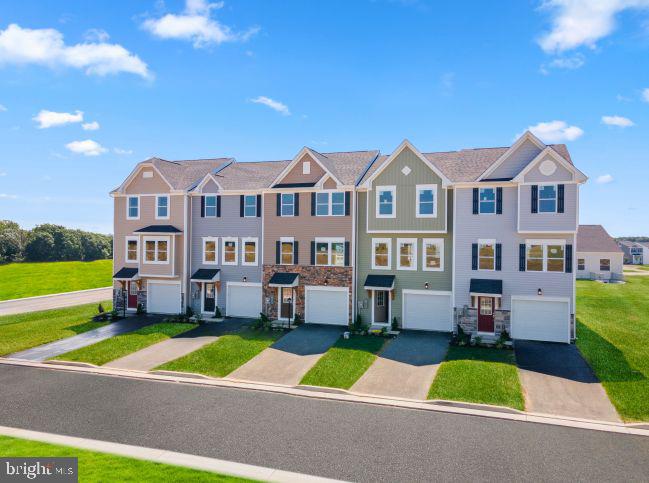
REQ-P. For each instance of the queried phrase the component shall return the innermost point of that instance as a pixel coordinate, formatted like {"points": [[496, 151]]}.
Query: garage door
{"points": [[243, 300], [546, 320], [427, 311], [327, 305], [163, 298]]}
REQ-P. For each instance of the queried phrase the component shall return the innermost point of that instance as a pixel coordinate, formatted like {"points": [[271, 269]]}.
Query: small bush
{"points": [[189, 312], [298, 320], [217, 312], [395, 324], [140, 309], [263, 322], [114, 315]]}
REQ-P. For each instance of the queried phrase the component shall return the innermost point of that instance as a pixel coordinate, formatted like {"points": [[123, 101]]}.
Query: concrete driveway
{"points": [[178, 346], [55, 301], [56, 348], [406, 367], [290, 358], [557, 380]]}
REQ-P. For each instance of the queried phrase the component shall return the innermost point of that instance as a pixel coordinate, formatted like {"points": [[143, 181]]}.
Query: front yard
{"points": [[613, 336]]}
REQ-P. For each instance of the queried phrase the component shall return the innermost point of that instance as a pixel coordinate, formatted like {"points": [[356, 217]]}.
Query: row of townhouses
{"points": [[480, 238]]}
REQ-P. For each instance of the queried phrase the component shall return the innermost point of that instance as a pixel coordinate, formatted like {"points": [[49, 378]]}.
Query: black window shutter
{"points": [[474, 256], [241, 205], [296, 204], [535, 198], [202, 206], [476, 192], [347, 254], [347, 203], [312, 253], [568, 258], [258, 206], [295, 253], [278, 252], [218, 206], [279, 204], [521, 257], [561, 189], [499, 256], [499, 201], [312, 204]]}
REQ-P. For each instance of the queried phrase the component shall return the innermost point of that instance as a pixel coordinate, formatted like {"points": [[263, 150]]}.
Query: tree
{"points": [[40, 247], [11, 248]]}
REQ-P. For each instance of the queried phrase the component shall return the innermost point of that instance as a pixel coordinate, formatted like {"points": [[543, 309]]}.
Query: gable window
{"points": [[132, 249], [330, 203], [288, 204], [382, 253], [426, 201], [210, 251], [133, 208], [487, 255], [249, 251], [162, 207], [210, 206], [287, 252], [407, 248], [487, 200], [548, 198], [250, 206], [433, 258], [581, 264], [230, 255], [545, 256], [156, 250], [605, 264], [330, 251], [386, 201]]}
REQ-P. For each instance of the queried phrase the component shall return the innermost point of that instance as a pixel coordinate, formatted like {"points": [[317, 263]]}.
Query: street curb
{"points": [[55, 295], [452, 407], [185, 460]]}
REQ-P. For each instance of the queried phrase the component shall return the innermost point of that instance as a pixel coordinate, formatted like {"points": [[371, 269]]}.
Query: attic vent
{"points": [[306, 167], [406, 170], [147, 174]]}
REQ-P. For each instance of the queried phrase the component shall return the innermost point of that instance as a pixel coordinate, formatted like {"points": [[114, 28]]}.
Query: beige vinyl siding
{"points": [[295, 175], [140, 185]]}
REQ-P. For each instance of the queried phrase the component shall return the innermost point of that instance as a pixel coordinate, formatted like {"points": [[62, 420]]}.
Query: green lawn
{"points": [[23, 331], [121, 345], [613, 336], [223, 356], [345, 362], [99, 467], [18, 280], [480, 375]]}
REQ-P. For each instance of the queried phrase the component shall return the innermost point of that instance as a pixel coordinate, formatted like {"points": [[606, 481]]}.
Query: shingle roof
{"points": [[250, 175], [158, 229], [346, 166], [594, 238], [205, 274], [125, 273], [184, 173], [379, 281]]}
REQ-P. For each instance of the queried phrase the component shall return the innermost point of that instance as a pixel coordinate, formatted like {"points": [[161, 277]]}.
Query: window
{"points": [[337, 204], [287, 252], [322, 204], [545, 256], [250, 206], [581, 264], [487, 200], [534, 257], [380, 298], [426, 201], [382, 253], [133, 208], [230, 255], [330, 252], [548, 198], [433, 258], [210, 251], [132, 249], [210, 206], [605, 264], [156, 250], [162, 207], [306, 167], [385, 201], [556, 256], [486, 255], [249, 251], [330, 203], [407, 248], [288, 204]]}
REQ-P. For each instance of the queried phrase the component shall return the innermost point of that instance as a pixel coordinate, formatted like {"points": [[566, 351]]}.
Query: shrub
{"points": [[395, 324], [217, 312], [263, 322], [298, 320], [358, 323], [114, 315], [140, 309], [189, 312]]}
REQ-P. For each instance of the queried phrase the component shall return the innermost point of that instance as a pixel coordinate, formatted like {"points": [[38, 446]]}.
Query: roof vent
{"points": [[147, 174]]}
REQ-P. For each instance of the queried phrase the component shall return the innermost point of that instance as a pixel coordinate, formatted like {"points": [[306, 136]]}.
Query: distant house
{"points": [[635, 253], [598, 255]]}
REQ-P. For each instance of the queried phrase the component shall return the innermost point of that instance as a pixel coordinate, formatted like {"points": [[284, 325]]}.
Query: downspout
{"points": [[187, 234]]}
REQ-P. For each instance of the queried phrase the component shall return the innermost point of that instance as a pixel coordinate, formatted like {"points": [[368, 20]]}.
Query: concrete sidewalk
{"points": [[55, 301], [406, 367]]}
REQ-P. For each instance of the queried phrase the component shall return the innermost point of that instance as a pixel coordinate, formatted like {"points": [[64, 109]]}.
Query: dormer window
{"points": [[385, 201]]}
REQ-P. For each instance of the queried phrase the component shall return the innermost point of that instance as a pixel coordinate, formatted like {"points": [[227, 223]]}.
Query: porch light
{"points": [[326, 282], [245, 279], [426, 285], [539, 292]]}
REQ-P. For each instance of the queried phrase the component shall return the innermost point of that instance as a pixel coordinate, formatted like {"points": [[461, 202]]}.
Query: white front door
{"points": [[326, 305], [163, 298], [427, 310], [538, 319], [243, 300]]}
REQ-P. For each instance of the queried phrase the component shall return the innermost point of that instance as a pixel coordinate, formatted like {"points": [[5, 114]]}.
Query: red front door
{"points": [[132, 295], [485, 314]]}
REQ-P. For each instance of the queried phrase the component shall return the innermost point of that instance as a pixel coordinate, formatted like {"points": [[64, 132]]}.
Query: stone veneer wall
{"points": [[309, 275], [468, 320], [119, 299]]}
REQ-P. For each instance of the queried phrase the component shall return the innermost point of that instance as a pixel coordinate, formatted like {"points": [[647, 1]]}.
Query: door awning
{"points": [[379, 282], [206, 275], [483, 286], [284, 279], [126, 273]]}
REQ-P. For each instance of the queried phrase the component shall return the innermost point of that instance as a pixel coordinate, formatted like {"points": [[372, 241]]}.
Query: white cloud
{"points": [[196, 25], [5, 196], [604, 179], [617, 121], [555, 131], [46, 47], [122, 152], [645, 94], [96, 35], [46, 119], [2, 108], [90, 126], [87, 147], [577, 23], [3, 173], [273, 104], [571, 63]]}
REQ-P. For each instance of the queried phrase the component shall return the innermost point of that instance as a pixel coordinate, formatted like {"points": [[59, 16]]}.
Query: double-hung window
{"points": [[407, 248], [330, 203], [162, 207], [433, 257], [386, 201], [249, 251], [210, 206], [487, 201], [487, 254], [330, 251], [132, 249], [250, 206], [210, 251], [230, 255], [133, 208], [545, 256], [156, 250], [426, 201], [605, 264], [287, 248], [288, 204], [548, 198], [382, 253], [581, 264]]}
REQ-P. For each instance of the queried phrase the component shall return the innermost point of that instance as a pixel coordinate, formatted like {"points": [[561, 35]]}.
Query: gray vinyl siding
{"points": [[470, 228], [515, 163], [561, 174], [566, 221], [405, 279], [230, 224]]}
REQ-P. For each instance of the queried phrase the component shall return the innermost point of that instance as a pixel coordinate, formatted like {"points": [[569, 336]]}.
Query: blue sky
{"points": [[258, 80]]}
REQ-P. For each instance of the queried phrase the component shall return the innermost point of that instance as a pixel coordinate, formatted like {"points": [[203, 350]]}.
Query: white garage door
{"points": [[546, 320], [163, 298], [427, 311], [243, 300], [327, 305]]}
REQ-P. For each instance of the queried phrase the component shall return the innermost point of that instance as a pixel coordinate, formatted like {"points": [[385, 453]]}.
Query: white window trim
{"points": [[413, 242], [282, 205], [556, 199], [420, 188], [329, 202], [379, 190], [157, 198], [432, 241], [224, 240], [137, 251], [485, 241], [329, 242], [216, 250], [244, 206], [243, 251], [216, 205], [545, 244], [128, 198], [376, 241], [306, 167], [480, 212], [291, 240], [156, 239]]}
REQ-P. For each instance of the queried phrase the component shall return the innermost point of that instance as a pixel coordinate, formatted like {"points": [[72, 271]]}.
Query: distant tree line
{"points": [[51, 243], [634, 238]]}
